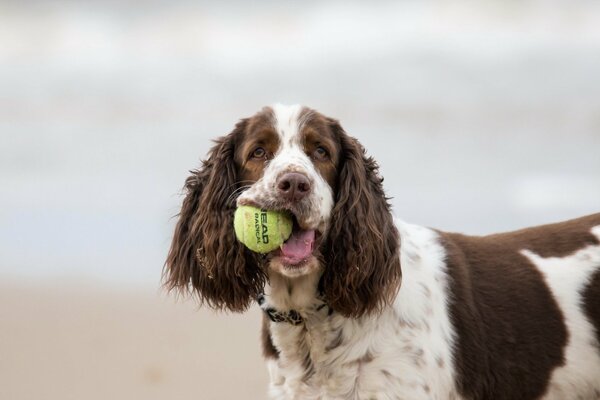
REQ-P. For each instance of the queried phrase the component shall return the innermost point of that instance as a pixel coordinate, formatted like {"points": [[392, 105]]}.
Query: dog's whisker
{"points": [[237, 191]]}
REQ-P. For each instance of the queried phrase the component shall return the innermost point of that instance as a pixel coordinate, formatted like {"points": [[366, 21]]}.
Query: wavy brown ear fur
{"points": [[205, 257], [362, 271]]}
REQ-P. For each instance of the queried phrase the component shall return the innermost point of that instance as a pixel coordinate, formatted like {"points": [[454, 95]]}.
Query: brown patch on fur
{"points": [[269, 349], [309, 368], [440, 362], [510, 330], [552, 240], [418, 358], [258, 133], [591, 302], [335, 343], [362, 272], [367, 358], [316, 132]]}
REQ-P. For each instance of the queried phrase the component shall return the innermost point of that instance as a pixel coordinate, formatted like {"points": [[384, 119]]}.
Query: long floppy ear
{"points": [[205, 257], [362, 271]]}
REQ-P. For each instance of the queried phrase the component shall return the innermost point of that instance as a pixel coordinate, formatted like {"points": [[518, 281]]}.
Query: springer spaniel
{"points": [[358, 305]]}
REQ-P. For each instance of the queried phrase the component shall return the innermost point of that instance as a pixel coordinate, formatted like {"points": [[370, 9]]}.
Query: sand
{"points": [[68, 341]]}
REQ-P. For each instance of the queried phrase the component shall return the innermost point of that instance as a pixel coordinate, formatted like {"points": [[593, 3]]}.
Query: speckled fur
{"points": [[401, 353]]}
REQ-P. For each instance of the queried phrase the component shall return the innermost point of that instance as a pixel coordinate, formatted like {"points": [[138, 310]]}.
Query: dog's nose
{"points": [[293, 186]]}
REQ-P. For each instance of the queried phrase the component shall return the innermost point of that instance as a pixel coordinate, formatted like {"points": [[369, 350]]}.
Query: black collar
{"points": [[292, 317]]}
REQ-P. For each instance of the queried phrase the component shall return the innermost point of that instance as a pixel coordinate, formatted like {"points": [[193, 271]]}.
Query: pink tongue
{"points": [[298, 247]]}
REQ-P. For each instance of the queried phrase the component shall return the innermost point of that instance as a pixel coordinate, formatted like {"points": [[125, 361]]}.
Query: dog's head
{"points": [[293, 159]]}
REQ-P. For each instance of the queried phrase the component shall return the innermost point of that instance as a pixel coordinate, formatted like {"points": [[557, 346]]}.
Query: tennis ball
{"points": [[260, 230]]}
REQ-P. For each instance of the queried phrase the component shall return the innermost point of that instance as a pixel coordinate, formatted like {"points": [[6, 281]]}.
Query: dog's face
{"points": [[288, 160], [297, 160]]}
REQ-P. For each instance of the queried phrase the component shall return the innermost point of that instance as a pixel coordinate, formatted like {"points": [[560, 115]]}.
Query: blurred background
{"points": [[484, 116]]}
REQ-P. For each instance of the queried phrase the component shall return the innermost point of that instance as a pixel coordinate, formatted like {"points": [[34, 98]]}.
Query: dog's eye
{"points": [[259, 152], [320, 153]]}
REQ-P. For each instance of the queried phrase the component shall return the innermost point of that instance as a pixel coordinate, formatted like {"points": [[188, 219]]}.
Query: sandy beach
{"points": [[68, 341]]}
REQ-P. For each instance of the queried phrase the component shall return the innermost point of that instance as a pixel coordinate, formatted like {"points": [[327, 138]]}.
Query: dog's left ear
{"points": [[362, 271], [205, 257]]}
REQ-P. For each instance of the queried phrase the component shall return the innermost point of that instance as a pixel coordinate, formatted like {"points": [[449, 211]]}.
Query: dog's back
{"points": [[525, 306]]}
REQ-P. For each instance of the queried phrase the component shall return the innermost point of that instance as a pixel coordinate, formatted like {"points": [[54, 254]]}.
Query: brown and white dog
{"points": [[359, 305]]}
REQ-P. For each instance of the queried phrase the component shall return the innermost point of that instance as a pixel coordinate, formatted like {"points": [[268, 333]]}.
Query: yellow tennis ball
{"points": [[261, 231]]}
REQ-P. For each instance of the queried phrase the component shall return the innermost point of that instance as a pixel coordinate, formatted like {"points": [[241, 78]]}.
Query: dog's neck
{"points": [[298, 293]]}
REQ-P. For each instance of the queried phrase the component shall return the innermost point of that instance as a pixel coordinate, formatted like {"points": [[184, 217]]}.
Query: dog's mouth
{"points": [[298, 250], [299, 247]]}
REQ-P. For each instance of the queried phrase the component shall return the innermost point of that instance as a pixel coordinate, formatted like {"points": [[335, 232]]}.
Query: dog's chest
{"points": [[405, 352], [331, 357]]}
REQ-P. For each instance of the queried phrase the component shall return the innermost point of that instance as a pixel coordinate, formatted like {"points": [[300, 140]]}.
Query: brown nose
{"points": [[293, 186]]}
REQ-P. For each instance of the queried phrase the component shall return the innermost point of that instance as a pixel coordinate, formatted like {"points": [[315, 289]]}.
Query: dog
{"points": [[359, 305]]}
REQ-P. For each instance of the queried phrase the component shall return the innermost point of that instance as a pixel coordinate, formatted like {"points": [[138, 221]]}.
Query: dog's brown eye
{"points": [[259, 152], [320, 153]]}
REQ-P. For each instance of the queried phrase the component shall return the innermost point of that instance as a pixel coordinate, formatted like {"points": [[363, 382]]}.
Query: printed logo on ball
{"points": [[260, 227]]}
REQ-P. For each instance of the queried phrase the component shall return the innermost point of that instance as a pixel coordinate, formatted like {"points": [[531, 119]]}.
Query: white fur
{"points": [[403, 353], [566, 277]]}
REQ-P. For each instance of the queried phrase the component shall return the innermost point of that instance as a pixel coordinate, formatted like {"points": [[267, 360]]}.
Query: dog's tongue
{"points": [[299, 246]]}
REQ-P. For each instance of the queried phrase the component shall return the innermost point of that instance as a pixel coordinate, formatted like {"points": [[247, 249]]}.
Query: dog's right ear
{"points": [[205, 257]]}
